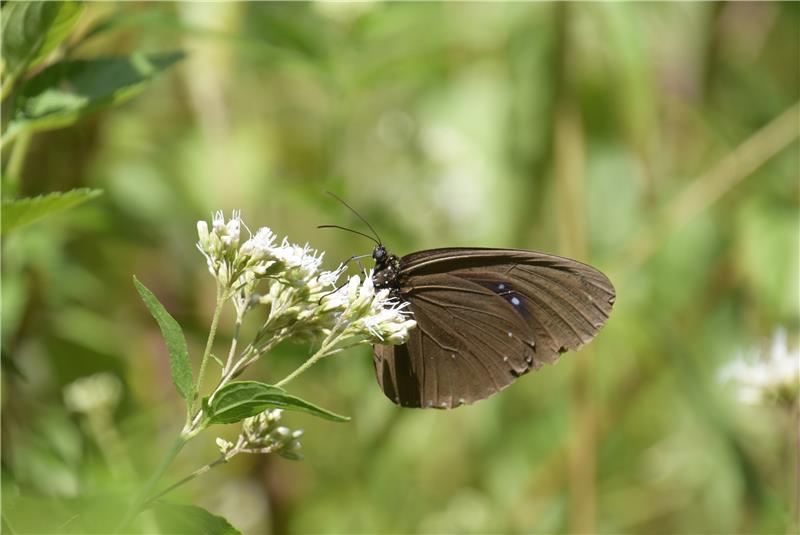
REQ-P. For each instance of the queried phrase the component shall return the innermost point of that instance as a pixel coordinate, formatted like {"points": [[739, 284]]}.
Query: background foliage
{"points": [[656, 141]]}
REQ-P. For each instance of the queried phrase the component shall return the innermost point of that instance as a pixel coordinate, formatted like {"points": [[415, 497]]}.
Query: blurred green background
{"points": [[656, 141]]}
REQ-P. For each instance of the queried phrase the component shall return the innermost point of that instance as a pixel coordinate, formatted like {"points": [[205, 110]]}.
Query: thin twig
{"points": [[200, 471], [224, 458], [704, 191]]}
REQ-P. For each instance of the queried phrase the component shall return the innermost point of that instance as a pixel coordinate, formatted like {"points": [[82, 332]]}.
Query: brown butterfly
{"points": [[484, 317]]}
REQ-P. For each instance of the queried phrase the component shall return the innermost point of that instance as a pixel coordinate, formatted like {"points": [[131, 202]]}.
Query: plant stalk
{"points": [[209, 343], [11, 176], [234, 343], [322, 352]]}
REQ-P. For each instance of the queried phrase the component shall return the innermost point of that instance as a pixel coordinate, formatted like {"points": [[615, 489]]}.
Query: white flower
{"points": [[100, 391], [228, 232], [299, 298], [370, 316], [774, 376], [224, 446], [260, 245], [262, 434], [301, 263], [257, 427], [220, 246]]}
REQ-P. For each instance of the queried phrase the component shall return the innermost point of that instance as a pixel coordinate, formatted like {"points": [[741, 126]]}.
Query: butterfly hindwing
{"points": [[468, 344]]}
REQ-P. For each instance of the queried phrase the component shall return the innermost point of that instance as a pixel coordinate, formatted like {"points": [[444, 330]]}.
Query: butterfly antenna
{"points": [[350, 230], [379, 241]]}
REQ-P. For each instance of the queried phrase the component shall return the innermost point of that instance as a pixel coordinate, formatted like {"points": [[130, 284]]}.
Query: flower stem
{"points": [[322, 352], [209, 343], [234, 343], [137, 505]]}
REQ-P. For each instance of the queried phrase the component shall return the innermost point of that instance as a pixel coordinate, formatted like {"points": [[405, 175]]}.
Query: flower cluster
{"points": [[231, 262], [768, 378], [262, 434], [369, 316], [299, 297]]}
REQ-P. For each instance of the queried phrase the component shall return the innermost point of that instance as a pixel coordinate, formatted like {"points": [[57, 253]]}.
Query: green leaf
{"points": [[179, 363], [31, 30], [178, 519], [239, 400], [69, 90], [20, 212]]}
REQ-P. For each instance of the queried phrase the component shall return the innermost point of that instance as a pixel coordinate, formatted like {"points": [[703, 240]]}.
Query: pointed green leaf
{"points": [[178, 519], [20, 212], [176, 344], [69, 90], [239, 400], [31, 30]]}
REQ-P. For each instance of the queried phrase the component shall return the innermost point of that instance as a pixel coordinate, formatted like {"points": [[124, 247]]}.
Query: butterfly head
{"points": [[379, 254]]}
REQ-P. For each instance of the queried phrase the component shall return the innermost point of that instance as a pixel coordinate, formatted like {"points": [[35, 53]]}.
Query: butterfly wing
{"points": [[484, 317], [466, 346]]}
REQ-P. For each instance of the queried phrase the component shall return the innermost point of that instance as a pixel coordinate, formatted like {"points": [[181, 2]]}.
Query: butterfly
{"points": [[484, 318]]}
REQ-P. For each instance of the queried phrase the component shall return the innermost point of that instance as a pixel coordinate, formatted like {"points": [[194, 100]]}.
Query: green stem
{"points": [[7, 86], [234, 343], [209, 343], [11, 176], [200, 471], [323, 351], [136, 506]]}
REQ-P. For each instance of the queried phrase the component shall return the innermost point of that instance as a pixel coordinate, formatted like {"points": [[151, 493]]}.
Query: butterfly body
{"points": [[387, 271], [484, 317]]}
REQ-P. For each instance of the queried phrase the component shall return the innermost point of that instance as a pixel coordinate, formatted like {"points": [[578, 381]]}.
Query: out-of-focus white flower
{"points": [[100, 391], [766, 377]]}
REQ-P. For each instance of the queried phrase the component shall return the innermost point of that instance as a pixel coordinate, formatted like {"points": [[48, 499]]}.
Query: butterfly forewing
{"points": [[486, 316]]}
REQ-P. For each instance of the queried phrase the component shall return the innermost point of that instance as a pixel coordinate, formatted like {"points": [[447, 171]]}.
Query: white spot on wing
{"points": [[515, 301], [501, 286], [510, 334]]}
